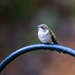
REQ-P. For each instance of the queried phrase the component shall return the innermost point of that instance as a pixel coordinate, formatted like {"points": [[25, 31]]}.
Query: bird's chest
{"points": [[43, 35]]}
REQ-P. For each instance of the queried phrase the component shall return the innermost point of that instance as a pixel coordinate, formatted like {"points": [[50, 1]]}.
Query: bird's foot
{"points": [[48, 43], [45, 43]]}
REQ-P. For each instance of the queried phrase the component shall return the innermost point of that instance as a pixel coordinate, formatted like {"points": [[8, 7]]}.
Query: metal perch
{"points": [[35, 47]]}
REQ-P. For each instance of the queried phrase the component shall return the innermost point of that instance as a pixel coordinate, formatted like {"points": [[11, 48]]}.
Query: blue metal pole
{"points": [[35, 47]]}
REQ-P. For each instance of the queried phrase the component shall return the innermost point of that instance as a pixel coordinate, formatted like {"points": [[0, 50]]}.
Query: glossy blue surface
{"points": [[34, 47]]}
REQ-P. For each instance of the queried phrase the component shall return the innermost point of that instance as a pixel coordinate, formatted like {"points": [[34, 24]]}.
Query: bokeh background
{"points": [[16, 17]]}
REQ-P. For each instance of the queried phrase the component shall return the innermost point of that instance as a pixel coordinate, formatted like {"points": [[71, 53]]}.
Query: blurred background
{"points": [[15, 18]]}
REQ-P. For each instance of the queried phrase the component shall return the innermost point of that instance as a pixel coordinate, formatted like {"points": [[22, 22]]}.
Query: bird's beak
{"points": [[34, 26]]}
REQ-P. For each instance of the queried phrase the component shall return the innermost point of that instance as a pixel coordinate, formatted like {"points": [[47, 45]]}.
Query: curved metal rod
{"points": [[35, 47]]}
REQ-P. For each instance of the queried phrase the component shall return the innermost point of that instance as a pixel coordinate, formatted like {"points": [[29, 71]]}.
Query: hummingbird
{"points": [[45, 34]]}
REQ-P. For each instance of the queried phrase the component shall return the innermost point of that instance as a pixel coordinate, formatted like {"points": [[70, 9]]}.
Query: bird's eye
{"points": [[42, 27]]}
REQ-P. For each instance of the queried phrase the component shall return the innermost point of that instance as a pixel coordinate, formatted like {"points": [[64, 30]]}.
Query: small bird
{"points": [[45, 34]]}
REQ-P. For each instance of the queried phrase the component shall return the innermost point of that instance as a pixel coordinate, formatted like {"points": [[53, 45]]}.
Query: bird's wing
{"points": [[53, 37]]}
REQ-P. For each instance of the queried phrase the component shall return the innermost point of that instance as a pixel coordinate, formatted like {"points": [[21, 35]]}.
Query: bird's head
{"points": [[42, 27]]}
